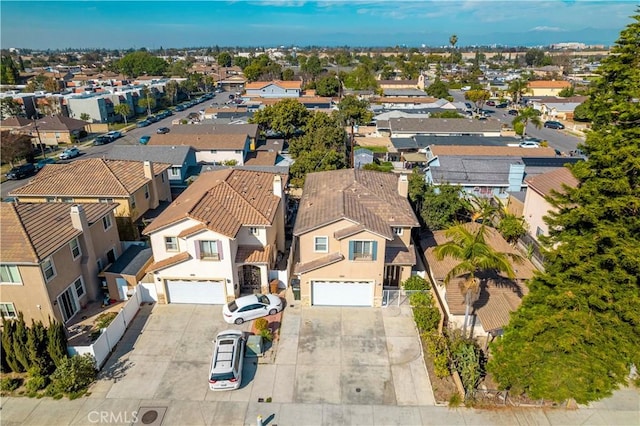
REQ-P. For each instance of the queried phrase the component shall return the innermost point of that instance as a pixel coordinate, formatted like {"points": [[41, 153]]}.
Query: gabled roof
{"points": [[256, 85], [502, 151], [224, 200], [363, 197], [552, 181], [14, 122], [443, 125], [91, 177], [222, 129], [58, 123], [201, 141], [174, 155], [29, 232], [548, 84]]}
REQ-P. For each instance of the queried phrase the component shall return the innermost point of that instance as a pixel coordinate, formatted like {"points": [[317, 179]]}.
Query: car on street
{"points": [[553, 125], [144, 139], [69, 153], [251, 307], [529, 144], [163, 130], [41, 163], [227, 361], [22, 171], [114, 134], [491, 103], [502, 105], [143, 123], [513, 112], [102, 140]]}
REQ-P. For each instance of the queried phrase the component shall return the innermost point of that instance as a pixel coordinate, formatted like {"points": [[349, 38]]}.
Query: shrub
{"points": [[512, 227], [35, 383], [266, 334], [421, 299], [426, 318], [261, 324], [104, 319], [416, 283], [9, 384], [74, 374], [455, 400], [438, 348]]}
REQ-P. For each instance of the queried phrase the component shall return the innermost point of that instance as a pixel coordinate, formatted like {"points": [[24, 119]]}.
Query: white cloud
{"points": [[546, 29]]}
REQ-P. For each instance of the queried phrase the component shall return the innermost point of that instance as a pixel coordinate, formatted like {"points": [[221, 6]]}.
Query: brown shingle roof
{"points": [[261, 158], [443, 125], [283, 84], [59, 123], [360, 196], [552, 181], [400, 255], [303, 268], [170, 261], [548, 84], [30, 232], [91, 177], [224, 200], [215, 129], [14, 122], [200, 142], [480, 150], [249, 254]]}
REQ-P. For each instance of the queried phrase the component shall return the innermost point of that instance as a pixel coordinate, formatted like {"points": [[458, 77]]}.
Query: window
{"points": [[146, 191], [132, 202], [99, 263], [238, 151], [48, 269], [162, 177], [105, 200], [8, 310], [209, 250], [10, 274], [321, 244], [75, 248], [539, 231], [66, 199], [68, 302], [79, 286], [171, 243], [397, 231], [254, 231], [213, 151], [106, 222], [174, 172], [50, 199], [362, 250]]}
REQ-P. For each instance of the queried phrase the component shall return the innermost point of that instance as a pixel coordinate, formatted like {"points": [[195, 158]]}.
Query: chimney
{"points": [[148, 170], [277, 186], [79, 218], [403, 186]]}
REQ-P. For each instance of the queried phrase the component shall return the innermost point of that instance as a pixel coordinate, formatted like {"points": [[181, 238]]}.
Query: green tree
{"points": [[56, 342], [9, 72], [534, 57], [147, 100], [453, 40], [526, 116], [19, 347], [438, 89], [512, 227], [361, 78], [224, 59], [178, 69], [315, 161], [353, 110], [446, 114], [328, 85], [41, 82], [37, 348], [85, 116], [14, 147], [567, 92], [417, 189], [288, 74], [141, 62], [124, 110], [312, 66], [582, 112], [442, 206], [578, 330], [285, 117], [478, 97], [321, 132], [475, 256], [74, 374], [517, 88], [9, 108], [8, 356]]}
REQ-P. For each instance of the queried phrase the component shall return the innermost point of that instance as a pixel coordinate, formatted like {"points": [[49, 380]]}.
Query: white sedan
{"points": [[251, 307]]}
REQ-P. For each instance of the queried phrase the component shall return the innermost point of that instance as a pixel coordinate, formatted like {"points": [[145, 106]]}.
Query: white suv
{"points": [[227, 361]]}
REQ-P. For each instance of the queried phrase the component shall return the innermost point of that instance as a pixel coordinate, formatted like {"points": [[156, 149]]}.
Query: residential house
{"points": [[353, 237], [220, 238], [181, 158], [273, 89], [498, 295], [54, 130], [362, 157], [310, 102], [50, 257], [13, 123], [397, 84], [536, 206], [407, 127], [123, 275], [135, 186], [556, 108], [547, 87]]}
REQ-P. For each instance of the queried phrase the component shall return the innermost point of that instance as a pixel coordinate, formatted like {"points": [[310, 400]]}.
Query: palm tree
{"points": [[452, 41], [123, 110], [475, 256], [517, 88], [526, 116]]}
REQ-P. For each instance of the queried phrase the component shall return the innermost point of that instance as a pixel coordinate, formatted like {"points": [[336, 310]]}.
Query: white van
{"points": [[227, 361]]}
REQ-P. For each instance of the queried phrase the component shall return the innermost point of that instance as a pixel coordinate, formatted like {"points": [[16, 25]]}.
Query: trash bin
{"points": [[273, 286], [295, 287]]}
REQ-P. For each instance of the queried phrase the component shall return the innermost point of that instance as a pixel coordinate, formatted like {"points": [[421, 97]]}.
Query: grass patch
{"points": [[374, 149]]}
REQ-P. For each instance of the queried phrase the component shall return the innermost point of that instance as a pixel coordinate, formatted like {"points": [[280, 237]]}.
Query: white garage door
{"points": [[202, 292], [342, 293]]}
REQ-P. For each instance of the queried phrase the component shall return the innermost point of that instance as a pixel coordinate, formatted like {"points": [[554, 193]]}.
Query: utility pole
{"points": [[351, 159], [35, 125]]}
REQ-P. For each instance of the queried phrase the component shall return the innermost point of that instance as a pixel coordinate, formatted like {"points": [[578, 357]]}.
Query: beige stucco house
{"points": [[547, 87], [353, 237], [536, 207], [135, 186], [50, 255], [219, 238]]}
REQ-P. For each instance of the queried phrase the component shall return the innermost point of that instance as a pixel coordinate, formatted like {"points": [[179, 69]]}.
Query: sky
{"points": [[155, 24]]}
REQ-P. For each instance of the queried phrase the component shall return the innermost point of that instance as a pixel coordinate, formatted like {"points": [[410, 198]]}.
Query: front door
{"points": [[392, 276], [250, 279]]}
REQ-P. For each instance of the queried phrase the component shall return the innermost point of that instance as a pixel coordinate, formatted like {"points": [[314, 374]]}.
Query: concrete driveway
{"points": [[324, 355]]}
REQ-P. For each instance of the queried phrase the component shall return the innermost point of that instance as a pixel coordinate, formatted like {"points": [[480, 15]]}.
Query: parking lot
{"points": [[323, 355]]}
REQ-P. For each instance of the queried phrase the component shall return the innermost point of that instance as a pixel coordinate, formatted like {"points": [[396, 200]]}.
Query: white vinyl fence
{"points": [[102, 346]]}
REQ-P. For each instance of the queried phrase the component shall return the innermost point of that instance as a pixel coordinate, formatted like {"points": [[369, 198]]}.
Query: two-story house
{"points": [[135, 186], [50, 257], [274, 89], [547, 87], [219, 238], [353, 236]]}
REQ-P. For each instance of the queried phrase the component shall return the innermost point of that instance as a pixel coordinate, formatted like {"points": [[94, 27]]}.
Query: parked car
{"points": [[40, 164], [22, 171], [69, 153], [227, 361], [553, 125], [180, 108], [114, 134], [152, 118], [529, 144], [143, 123], [102, 140], [251, 307], [502, 105], [163, 130], [513, 112], [145, 139], [490, 103]]}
